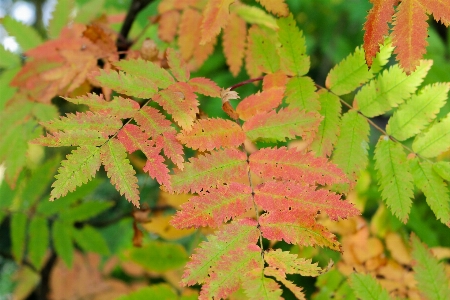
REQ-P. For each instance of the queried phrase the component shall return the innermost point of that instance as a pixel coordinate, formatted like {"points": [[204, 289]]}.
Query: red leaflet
{"points": [[288, 164], [132, 138], [215, 207], [155, 166], [260, 102], [277, 196]]}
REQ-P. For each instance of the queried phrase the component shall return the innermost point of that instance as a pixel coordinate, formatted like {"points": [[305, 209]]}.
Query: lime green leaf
{"points": [[85, 211], [78, 169], [262, 53], [431, 277], [62, 241], [89, 239], [327, 135], [160, 291], [420, 110], [435, 140], [118, 168], [394, 175], [38, 241], [443, 169], [89, 11], [18, 234], [148, 70], [292, 51], [291, 264], [8, 59], [286, 123], [351, 147], [86, 121], [434, 188], [45, 112], [301, 93], [366, 287], [390, 89], [178, 67], [349, 74], [60, 17], [255, 15], [127, 84], [257, 286], [159, 256], [27, 37], [382, 57], [7, 91], [333, 285], [72, 138]]}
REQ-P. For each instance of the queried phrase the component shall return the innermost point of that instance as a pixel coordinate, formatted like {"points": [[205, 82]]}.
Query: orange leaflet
{"points": [[234, 42], [215, 17]]}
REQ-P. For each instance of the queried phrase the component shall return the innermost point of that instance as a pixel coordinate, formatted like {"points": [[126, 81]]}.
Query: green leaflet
{"points": [[333, 285], [44, 112], [118, 168], [89, 239], [78, 169], [390, 89], [60, 17], [8, 59], [84, 211], [89, 11], [415, 114], [72, 138], [262, 55], [394, 177], [301, 92], [349, 74], [255, 15], [382, 57], [435, 140], [7, 91], [351, 147], [291, 264], [148, 70], [62, 241], [159, 256], [261, 287], [38, 241], [328, 132], [27, 37], [18, 234], [177, 66], [160, 291], [443, 169], [127, 84], [434, 189], [293, 58], [431, 277], [366, 287], [87, 121]]}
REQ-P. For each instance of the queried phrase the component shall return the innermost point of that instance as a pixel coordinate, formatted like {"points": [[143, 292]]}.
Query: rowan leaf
{"points": [[328, 132], [215, 17], [277, 274], [84, 211], [153, 122], [382, 57], [38, 241], [289, 164], [349, 74], [178, 67], [278, 7], [294, 229], [79, 168], [205, 87], [434, 189], [377, 26], [119, 170], [26, 36], [188, 39], [209, 134], [62, 241], [435, 140], [286, 123], [255, 15], [275, 80], [89, 239], [72, 138], [351, 148], [420, 110], [215, 207], [132, 138], [301, 93], [288, 263], [60, 17], [432, 280], [166, 29], [146, 69], [367, 287], [409, 34], [260, 102], [8, 60], [261, 55], [18, 225], [390, 89], [394, 177], [443, 169], [127, 84], [257, 286], [234, 43], [274, 196], [210, 170], [292, 51], [236, 235], [439, 9]]}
